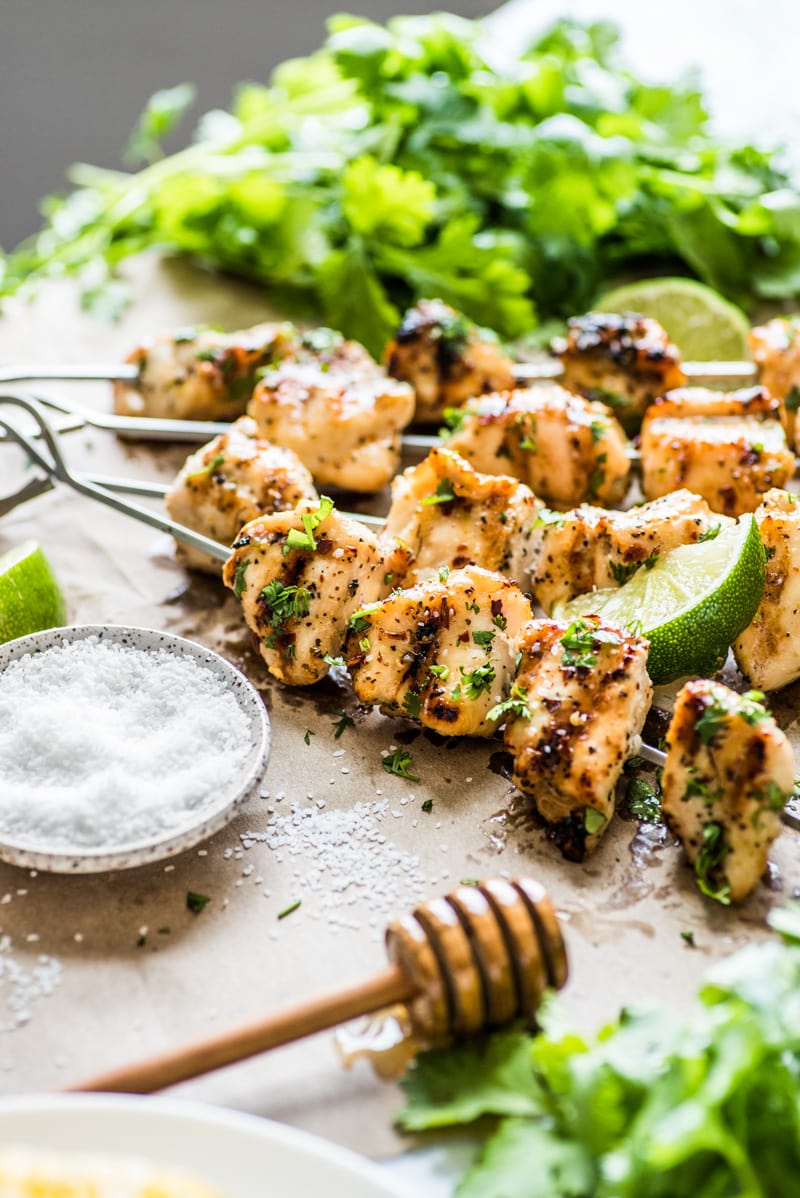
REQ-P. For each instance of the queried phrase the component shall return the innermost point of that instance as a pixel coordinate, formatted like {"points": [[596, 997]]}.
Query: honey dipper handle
{"points": [[281, 1027]]}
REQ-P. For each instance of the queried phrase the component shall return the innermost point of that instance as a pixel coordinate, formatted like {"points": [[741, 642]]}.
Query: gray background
{"points": [[74, 74]]}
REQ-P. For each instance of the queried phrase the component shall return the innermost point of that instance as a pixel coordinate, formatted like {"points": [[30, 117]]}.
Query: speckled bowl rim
{"points": [[130, 855]]}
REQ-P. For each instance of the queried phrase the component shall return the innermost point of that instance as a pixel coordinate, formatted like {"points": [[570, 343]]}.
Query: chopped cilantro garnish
{"points": [[707, 863], [334, 661], [442, 672], [444, 494], [516, 705], [598, 430], [478, 680], [546, 517], [288, 910], [215, 463], [500, 621], [717, 712], [308, 734], [593, 820], [484, 639], [341, 721], [597, 477], [398, 763], [304, 541], [239, 583], [711, 533], [580, 642], [282, 603], [364, 644], [196, 902], [427, 806], [622, 571], [359, 621], [444, 573], [695, 789], [454, 422], [772, 796], [643, 801], [689, 938], [411, 704], [792, 399]]}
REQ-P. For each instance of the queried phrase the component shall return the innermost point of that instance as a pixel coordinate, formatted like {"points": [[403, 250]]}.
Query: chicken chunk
{"points": [[300, 576], [775, 347], [441, 652], [623, 360], [446, 358], [591, 548], [229, 482], [565, 448], [728, 448], [768, 651], [728, 774], [197, 374], [339, 412], [578, 705], [444, 513]]}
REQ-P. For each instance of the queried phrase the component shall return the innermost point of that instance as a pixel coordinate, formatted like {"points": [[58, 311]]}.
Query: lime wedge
{"points": [[692, 604], [703, 325], [30, 597]]}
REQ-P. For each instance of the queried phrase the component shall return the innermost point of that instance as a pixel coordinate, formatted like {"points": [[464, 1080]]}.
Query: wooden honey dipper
{"points": [[475, 959]]}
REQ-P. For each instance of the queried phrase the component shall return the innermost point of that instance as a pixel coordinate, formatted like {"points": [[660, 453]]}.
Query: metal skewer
{"points": [[197, 431], [56, 467], [102, 489], [523, 371]]}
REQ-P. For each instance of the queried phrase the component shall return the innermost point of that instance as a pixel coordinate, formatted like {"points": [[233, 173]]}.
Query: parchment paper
{"points": [[128, 987]]}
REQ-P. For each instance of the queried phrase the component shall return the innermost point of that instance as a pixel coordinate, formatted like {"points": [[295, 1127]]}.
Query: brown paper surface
{"points": [[129, 987]]}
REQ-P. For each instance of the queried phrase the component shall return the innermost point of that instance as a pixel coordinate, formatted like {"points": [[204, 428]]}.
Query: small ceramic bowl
{"points": [[226, 805]]}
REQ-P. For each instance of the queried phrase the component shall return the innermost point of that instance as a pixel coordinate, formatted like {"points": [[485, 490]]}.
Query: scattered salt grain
{"points": [[21, 986], [102, 744], [346, 858]]}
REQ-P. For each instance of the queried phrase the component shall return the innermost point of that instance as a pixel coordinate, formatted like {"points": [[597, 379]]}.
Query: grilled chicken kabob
{"points": [[313, 393], [445, 653], [439, 651], [461, 654], [625, 361], [456, 648]]}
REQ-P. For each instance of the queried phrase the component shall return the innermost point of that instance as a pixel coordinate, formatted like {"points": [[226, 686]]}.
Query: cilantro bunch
{"points": [[398, 162], [705, 1107]]}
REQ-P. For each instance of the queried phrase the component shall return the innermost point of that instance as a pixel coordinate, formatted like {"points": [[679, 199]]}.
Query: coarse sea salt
{"points": [[104, 745]]}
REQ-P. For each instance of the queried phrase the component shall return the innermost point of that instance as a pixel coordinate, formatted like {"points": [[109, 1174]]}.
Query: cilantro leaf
{"points": [[304, 541], [161, 114], [402, 161], [386, 202], [493, 1076], [562, 1170], [444, 494], [399, 763], [196, 902]]}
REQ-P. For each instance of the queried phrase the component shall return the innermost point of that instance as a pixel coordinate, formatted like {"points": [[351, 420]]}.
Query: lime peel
{"points": [[691, 605], [30, 597], [704, 326]]}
